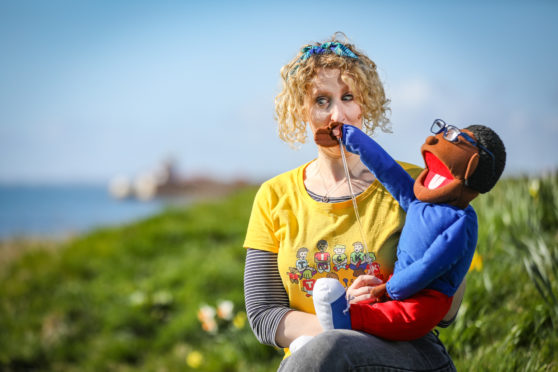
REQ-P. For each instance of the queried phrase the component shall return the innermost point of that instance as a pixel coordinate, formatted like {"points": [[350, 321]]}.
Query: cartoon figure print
{"points": [[322, 258], [370, 257], [293, 275], [358, 259], [374, 267], [339, 258], [301, 261], [303, 274], [303, 271], [345, 281], [307, 282]]}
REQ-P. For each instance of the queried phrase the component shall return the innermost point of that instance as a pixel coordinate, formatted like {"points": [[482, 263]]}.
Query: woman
{"points": [[299, 217]]}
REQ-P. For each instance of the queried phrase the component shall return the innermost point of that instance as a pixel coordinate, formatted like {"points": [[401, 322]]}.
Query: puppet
{"points": [[439, 236]]}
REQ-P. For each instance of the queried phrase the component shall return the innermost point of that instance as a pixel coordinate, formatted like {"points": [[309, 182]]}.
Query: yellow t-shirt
{"points": [[315, 240]]}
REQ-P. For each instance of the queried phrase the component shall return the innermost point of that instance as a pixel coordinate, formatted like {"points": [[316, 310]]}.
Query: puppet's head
{"points": [[459, 164]]}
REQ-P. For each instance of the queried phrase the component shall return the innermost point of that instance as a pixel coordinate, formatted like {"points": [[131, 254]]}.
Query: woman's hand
{"points": [[361, 289]]}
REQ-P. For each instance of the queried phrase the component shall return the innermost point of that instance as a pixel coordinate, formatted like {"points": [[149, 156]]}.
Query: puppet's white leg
{"points": [[299, 342], [330, 304]]}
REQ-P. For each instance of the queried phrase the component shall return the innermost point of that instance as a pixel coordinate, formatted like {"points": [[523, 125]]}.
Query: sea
{"points": [[57, 211]]}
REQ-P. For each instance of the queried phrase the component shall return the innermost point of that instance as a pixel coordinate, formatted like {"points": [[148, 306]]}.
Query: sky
{"points": [[94, 89]]}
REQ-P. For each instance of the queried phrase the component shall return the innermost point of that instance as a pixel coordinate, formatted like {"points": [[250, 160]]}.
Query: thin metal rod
{"points": [[353, 198]]}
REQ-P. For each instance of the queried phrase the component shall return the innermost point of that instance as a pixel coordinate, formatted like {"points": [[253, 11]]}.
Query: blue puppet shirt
{"points": [[437, 242], [435, 249]]}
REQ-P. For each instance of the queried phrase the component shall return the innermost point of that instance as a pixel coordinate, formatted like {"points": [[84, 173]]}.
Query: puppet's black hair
{"points": [[488, 170]]}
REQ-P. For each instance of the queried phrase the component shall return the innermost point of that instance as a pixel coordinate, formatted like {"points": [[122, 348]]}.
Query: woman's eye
{"points": [[321, 101], [348, 97]]}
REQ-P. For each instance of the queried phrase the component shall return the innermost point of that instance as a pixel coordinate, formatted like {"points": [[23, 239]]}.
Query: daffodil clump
{"points": [[211, 318]]}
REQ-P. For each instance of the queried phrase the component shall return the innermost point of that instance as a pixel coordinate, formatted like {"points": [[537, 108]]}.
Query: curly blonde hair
{"points": [[358, 73]]}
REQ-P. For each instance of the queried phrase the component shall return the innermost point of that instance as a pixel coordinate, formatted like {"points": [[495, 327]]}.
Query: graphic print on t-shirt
{"points": [[339, 257], [339, 265], [322, 258]]}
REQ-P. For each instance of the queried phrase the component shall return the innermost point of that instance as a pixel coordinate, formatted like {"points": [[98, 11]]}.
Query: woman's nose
{"points": [[431, 140], [337, 113]]}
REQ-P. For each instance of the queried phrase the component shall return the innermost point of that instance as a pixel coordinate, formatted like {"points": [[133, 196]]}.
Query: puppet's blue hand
{"points": [[354, 139], [378, 161]]}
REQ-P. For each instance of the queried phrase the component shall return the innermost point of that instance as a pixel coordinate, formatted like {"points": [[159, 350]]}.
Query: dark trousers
{"points": [[348, 350]]}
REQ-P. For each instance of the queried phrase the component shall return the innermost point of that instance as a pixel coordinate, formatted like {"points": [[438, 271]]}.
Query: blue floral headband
{"points": [[329, 47], [332, 46]]}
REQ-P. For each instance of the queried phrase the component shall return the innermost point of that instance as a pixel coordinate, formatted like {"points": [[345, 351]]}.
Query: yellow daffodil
{"points": [[239, 320], [476, 263], [194, 359], [534, 187]]}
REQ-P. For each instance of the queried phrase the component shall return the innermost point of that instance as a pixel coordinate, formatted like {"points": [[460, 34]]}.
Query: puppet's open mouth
{"points": [[438, 174]]}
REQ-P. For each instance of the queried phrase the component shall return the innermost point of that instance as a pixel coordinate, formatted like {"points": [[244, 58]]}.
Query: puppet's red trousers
{"points": [[403, 320]]}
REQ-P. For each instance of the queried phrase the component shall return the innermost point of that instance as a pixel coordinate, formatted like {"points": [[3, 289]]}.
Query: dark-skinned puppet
{"points": [[438, 239]]}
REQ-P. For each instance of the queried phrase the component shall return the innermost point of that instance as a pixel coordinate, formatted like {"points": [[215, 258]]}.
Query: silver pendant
{"points": [[325, 199]]}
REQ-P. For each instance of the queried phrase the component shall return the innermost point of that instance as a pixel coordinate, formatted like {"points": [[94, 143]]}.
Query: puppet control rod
{"points": [[353, 198]]}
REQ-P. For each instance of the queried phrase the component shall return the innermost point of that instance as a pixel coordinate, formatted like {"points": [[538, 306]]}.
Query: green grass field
{"points": [[129, 298]]}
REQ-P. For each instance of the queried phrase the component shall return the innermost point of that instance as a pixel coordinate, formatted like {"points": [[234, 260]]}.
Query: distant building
{"points": [[164, 181]]}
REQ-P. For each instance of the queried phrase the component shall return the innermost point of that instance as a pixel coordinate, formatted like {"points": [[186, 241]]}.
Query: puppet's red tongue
{"points": [[438, 174]]}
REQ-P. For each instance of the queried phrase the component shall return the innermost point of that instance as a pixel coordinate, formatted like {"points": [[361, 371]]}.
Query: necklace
{"points": [[325, 197]]}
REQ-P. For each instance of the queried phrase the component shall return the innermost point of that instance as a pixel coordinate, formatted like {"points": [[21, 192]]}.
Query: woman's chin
{"points": [[331, 152]]}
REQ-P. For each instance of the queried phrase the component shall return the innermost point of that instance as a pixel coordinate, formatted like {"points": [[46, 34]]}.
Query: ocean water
{"points": [[57, 211]]}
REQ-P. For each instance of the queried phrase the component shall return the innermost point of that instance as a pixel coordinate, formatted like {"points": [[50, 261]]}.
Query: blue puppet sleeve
{"points": [[394, 178], [445, 253]]}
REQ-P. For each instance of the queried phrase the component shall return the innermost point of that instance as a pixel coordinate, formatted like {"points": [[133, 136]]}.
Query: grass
{"points": [[509, 317], [128, 298]]}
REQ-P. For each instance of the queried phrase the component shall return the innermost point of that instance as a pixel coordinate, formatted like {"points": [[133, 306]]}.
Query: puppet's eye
{"points": [[452, 133]]}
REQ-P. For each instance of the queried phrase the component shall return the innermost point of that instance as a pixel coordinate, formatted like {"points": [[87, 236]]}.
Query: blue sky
{"points": [[92, 89]]}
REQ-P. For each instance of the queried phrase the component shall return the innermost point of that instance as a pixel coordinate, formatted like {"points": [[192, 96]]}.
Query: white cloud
{"points": [[413, 93]]}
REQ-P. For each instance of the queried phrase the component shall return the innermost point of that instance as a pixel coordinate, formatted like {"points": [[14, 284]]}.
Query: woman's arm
{"points": [[295, 324], [267, 304], [264, 295]]}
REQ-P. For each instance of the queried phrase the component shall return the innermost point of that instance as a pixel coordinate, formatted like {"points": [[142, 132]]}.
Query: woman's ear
{"points": [[472, 166]]}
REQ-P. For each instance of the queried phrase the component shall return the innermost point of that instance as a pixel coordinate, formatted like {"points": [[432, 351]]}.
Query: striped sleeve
{"points": [[265, 297], [447, 323]]}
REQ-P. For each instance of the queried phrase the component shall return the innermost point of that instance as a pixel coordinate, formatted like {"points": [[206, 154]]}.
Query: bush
{"points": [[145, 297]]}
